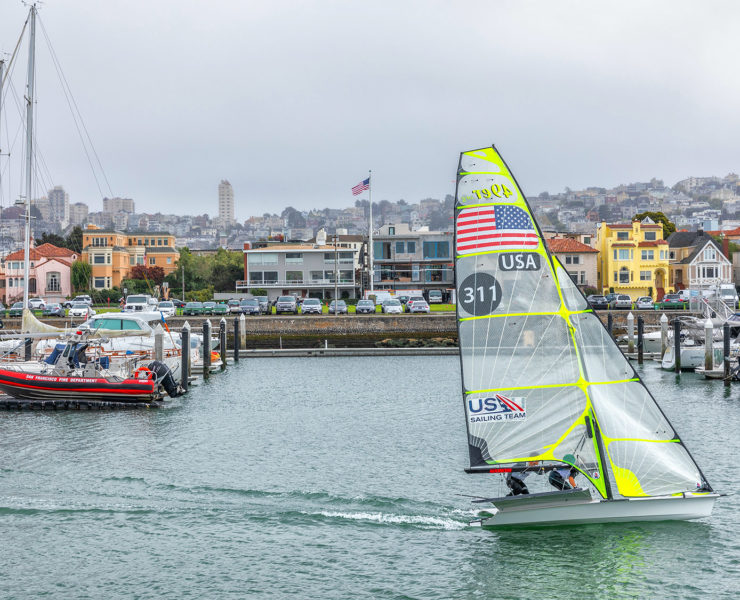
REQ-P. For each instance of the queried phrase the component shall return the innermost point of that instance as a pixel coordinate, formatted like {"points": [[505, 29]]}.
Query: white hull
{"points": [[691, 357], [662, 508]]}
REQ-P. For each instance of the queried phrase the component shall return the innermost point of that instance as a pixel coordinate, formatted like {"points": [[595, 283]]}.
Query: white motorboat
{"points": [[546, 390]]}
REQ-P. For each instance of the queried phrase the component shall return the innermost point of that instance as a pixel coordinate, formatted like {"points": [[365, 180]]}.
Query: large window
{"points": [[255, 277], [53, 281], [623, 254], [400, 248], [623, 235], [262, 258], [294, 276], [648, 255], [317, 276], [646, 275], [99, 259], [410, 247], [710, 254], [100, 282], [709, 272], [270, 276], [624, 275], [292, 258], [436, 249], [650, 236], [572, 260], [345, 276]]}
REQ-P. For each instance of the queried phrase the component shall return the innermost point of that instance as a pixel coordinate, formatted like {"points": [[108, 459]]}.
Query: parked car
{"points": [[610, 298], [208, 308], [167, 308], [265, 306], [339, 305], [286, 304], [81, 309], [392, 307], [672, 301], [728, 295], [365, 307], [435, 296], [250, 306], [83, 298], [16, 310], [402, 299], [411, 300], [621, 301], [220, 309], [417, 306], [36, 303], [54, 310], [597, 302], [177, 302], [140, 303], [193, 308], [644, 303], [234, 306], [311, 306]]}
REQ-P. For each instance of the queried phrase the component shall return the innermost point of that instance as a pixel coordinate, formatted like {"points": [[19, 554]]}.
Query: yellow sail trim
{"points": [[627, 482], [537, 314], [506, 203], [608, 440], [580, 383]]}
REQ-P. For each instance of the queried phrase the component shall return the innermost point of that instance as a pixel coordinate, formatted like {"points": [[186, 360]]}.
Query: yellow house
{"points": [[633, 259], [112, 253]]}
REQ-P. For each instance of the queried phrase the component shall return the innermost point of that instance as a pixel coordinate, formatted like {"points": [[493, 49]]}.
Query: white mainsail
{"points": [[542, 379]]}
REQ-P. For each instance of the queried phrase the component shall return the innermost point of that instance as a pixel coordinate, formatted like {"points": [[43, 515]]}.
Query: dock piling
{"points": [[237, 339], [222, 341], [185, 357], [677, 344], [663, 334], [242, 331], [640, 331], [630, 333], [206, 349], [726, 352], [27, 349], [708, 345], [610, 324], [159, 343]]}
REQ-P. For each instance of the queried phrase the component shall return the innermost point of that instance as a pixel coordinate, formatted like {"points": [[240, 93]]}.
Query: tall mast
{"points": [[29, 152], [370, 237]]}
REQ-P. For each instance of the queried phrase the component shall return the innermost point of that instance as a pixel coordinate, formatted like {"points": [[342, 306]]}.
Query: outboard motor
{"points": [[163, 376]]}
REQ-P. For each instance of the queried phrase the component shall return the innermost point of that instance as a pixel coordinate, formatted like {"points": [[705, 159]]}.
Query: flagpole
{"points": [[370, 249]]}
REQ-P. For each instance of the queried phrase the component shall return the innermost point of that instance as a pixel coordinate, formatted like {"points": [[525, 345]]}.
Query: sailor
{"points": [[564, 478], [515, 481]]}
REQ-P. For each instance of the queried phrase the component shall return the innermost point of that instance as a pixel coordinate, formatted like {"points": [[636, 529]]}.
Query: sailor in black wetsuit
{"points": [[564, 478]]}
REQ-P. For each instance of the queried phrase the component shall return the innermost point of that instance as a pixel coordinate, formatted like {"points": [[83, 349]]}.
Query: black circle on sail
{"points": [[480, 294]]}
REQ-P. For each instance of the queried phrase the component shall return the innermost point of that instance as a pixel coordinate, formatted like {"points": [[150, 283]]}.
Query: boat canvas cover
{"points": [[542, 378]]}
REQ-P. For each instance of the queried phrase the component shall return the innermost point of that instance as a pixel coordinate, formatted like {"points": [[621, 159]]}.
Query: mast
{"points": [[29, 153], [370, 237]]}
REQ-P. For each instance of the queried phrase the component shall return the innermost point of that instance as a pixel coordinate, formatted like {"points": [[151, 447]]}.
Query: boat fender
{"points": [[164, 377]]}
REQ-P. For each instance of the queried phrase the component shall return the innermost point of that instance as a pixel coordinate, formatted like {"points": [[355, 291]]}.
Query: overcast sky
{"points": [[293, 102]]}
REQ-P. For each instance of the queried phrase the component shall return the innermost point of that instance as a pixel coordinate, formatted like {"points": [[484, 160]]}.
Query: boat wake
{"points": [[379, 518]]}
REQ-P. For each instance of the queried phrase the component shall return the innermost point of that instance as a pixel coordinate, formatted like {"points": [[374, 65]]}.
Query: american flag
{"points": [[499, 227], [361, 187]]}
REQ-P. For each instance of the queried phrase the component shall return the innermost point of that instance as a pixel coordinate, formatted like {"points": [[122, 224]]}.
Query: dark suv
{"points": [[597, 302]]}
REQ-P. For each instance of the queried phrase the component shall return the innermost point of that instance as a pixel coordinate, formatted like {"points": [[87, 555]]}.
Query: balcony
{"points": [[242, 284]]}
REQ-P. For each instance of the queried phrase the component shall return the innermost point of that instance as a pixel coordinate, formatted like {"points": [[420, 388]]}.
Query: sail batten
{"points": [[542, 378]]}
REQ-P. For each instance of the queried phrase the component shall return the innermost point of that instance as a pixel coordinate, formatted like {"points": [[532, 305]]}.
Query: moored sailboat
{"points": [[545, 388]]}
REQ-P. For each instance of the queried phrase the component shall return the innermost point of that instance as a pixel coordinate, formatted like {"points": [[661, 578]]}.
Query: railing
{"points": [[283, 283]]}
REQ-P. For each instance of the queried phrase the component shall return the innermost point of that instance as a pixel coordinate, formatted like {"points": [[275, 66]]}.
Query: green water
{"points": [[328, 478]]}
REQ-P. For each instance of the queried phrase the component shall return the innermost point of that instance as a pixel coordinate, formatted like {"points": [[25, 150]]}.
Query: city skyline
{"points": [[580, 100]]}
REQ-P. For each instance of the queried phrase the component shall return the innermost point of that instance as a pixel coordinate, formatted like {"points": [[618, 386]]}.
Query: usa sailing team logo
{"points": [[496, 408]]}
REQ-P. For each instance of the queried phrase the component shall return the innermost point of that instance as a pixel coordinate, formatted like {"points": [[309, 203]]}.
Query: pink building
{"points": [[49, 274]]}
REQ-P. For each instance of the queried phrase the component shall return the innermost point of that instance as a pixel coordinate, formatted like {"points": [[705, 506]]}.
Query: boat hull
{"points": [[33, 386], [662, 508]]}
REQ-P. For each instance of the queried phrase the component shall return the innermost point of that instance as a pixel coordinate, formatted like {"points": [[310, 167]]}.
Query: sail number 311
{"points": [[470, 294], [480, 294], [499, 191]]}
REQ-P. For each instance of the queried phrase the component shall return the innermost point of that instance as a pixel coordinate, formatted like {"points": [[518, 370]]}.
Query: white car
{"points": [[644, 303], [36, 304], [167, 308], [81, 309], [392, 307], [417, 305]]}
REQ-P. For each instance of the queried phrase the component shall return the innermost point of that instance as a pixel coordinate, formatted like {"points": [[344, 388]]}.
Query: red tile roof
{"points": [[42, 251], [567, 245], [629, 225], [651, 243]]}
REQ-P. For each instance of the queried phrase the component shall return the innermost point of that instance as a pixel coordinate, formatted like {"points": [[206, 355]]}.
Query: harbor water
{"points": [[329, 478]]}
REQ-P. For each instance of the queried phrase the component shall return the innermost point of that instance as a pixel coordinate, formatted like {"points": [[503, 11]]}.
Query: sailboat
{"points": [[545, 388]]}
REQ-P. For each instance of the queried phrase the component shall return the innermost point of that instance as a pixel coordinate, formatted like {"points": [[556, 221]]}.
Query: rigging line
{"points": [[11, 62], [60, 73]]}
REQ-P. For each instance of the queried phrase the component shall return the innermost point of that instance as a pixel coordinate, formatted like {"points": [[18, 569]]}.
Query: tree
{"points": [[658, 217], [53, 239], [74, 240], [81, 274]]}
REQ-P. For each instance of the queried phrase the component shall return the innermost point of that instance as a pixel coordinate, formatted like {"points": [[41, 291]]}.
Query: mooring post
{"points": [[222, 341], [185, 357], [158, 343], [630, 333], [242, 331], [610, 323], [206, 349], [27, 349], [640, 328], [708, 345], [663, 334], [726, 351], [677, 344], [237, 339]]}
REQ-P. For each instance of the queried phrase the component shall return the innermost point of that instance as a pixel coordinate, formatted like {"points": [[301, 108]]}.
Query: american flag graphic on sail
{"points": [[498, 227]]}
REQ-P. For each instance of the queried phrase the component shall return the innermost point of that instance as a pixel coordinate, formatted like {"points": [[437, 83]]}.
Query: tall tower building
{"points": [[225, 203], [59, 205]]}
